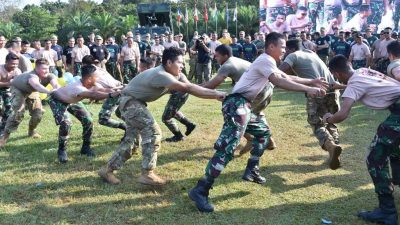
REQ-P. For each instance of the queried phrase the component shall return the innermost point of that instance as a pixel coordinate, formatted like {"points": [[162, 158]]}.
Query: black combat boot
{"points": [[252, 172], [189, 126], [199, 195], [62, 152], [395, 166], [86, 150], [177, 137], [385, 214]]}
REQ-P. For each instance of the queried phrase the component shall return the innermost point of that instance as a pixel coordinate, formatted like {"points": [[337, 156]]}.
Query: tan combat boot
{"points": [[108, 176], [34, 134], [271, 144], [3, 139], [148, 177], [334, 154]]}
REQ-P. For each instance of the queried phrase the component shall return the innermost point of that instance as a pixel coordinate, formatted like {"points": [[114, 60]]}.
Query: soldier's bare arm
{"points": [[290, 85], [342, 114], [196, 90], [35, 83]]}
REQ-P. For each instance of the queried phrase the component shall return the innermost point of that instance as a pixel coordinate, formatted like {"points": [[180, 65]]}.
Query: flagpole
{"points": [[236, 10], [227, 17]]}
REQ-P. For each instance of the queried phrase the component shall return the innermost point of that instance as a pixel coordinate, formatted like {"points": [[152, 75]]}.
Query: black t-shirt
{"points": [[113, 50], [68, 54], [202, 56], [321, 41], [99, 52]]}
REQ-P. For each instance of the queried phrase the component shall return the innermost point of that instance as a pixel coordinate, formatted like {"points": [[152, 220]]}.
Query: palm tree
{"points": [[127, 23], [80, 23], [10, 30], [105, 24]]}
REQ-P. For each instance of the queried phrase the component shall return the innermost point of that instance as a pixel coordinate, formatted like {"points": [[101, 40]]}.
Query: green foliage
{"points": [[10, 30], [36, 22], [104, 24]]}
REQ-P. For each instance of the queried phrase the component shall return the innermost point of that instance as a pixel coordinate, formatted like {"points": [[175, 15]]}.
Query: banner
{"points": [[346, 15]]}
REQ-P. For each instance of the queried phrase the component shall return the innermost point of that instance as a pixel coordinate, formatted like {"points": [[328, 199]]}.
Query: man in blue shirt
{"points": [[112, 65], [59, 51], [249, 50], [237, 49], [341, 47]]}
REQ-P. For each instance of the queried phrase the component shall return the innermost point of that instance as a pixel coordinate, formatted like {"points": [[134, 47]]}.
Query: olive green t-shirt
{"points": [[307, 64], [150, 85], [234, 68], [21, 81]]}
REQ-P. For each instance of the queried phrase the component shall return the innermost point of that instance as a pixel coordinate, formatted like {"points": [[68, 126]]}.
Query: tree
{"points": [[105, 24], [10, 30], [79, 23], [36, 22]]}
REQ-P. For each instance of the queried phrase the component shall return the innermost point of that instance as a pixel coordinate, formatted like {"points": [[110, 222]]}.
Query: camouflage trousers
{"points": [[175, 102], [382, 64], [316, 109], [77, 69], [111, 68], [110, 105], [383, 149], [5, 106], [78, 110], [20, 101], [377, 10], [272, 12], [238, 119], [357, 64], [130, 70], [203, 72], [138, 120], [192, 70], [316, 10]]}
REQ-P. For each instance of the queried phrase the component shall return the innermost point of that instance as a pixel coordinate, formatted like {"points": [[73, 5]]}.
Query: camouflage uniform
{"points": [[138, 121], [129, 71], [112, 69], [175, 102], [316, 9], [352, 10], [238, 119], [382, 64], [5, 106], [60, 112], [385, 145], [357, 64], [332, 12], [110, 105], [377, 10], [20, 101], [316, 108], [77, 69], [396, 14], [272, 13]]}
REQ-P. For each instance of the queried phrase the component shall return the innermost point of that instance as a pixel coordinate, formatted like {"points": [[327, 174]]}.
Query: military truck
{"points": [[154, 18]]}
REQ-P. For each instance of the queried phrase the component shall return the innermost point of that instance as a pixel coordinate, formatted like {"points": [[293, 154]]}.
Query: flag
{"points": [[235, 13], [195, 14], [215, 12], [205, 12], [179, 17], [186, 16], [227, 13]]}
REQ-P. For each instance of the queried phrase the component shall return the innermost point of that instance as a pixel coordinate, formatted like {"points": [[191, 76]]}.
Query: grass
{"points": [[300, 189]]}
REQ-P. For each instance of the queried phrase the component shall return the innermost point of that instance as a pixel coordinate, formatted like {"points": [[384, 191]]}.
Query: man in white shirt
{"points": [[279, 25], [360, 55], [213, 44], [170, 42], [237, 112], [157, 50], [359, 21], [3, 50], [383, 62], [78, 52], [130, 59], [376, 91], [50, 55]]}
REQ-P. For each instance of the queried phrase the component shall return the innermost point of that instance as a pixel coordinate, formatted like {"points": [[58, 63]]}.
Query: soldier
{"points": [[129, 60], [68, 99], [393, 69], [376, 91], [21, 88], [316, 8], [360, 55], [112, 63], [306, 64], [8, 72], [105, 81], [378, 8], [192, 58], [79, 51], [148, 87], [100, 52], [233, 68], [239, 118]]}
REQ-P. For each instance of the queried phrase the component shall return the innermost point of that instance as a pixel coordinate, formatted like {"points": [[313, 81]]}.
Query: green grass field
{"points": [[300, 189]]}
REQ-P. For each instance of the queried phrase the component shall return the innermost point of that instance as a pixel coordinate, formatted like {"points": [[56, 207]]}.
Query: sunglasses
{"points": [[304, 14], [386, 32]]}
